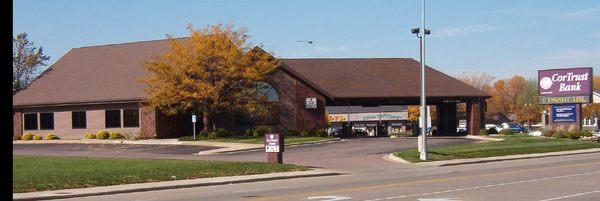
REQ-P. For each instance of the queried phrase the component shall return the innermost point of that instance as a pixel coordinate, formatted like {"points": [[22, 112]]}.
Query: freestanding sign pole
{"points": [[274, 147], [423, 140], [194, 121]]}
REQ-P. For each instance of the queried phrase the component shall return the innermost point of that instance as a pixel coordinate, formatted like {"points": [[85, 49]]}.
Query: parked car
{"points": [[516, 128], [488, 126], [336, 132]]}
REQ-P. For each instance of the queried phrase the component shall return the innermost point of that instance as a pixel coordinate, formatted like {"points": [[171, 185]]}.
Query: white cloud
{"points": [[465, 30], [582, 14], [574, 55]]}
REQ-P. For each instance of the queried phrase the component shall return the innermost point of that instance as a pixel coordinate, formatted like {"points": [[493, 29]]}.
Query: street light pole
{"points": [[423, 135]]}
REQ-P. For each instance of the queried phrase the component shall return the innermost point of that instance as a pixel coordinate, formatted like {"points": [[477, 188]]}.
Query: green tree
{"points": [[27, 59], [213, 71]]}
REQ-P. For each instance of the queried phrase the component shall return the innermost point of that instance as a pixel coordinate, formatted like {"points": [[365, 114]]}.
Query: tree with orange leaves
{"points": [[212, 71]]}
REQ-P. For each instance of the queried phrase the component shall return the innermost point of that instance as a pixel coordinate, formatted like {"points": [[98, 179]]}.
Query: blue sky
{"points": [[501, 37]]}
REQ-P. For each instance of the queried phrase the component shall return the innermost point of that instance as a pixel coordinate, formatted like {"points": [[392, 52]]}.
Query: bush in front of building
{"points": [[102, 135], [115, 135], [506, 132], [37, 137], [321, 133], [248, 132], [559, 134], [548, 133], [219, 133], [293, 132], [259, 131], [51, 136], [483, 132], [90, 136], [27, 136]]}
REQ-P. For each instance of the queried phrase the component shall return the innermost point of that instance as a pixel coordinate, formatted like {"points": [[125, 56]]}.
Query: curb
{"points": [[395, 159], [288, 145], [494, 159], [130, 188]]}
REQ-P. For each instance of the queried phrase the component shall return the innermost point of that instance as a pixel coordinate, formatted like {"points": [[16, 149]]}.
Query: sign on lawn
{"points": [[272, 142], [564, 113]]}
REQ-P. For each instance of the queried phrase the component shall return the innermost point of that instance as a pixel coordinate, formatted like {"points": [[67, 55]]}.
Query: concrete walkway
{"points": [[127, 188], [391, 157], [223, 146]]}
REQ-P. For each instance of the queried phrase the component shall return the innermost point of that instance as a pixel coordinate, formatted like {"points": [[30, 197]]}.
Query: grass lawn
{"points": [[36, 173], [511, 145], [255, 140]]}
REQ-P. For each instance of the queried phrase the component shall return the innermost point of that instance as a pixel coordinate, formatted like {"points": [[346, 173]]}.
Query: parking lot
{"points": [[360, 153]]}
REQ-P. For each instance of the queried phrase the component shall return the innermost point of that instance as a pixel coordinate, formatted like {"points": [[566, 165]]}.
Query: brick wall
{"points": [[292, 93]]}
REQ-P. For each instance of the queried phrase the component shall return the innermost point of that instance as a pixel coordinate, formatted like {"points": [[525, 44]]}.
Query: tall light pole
{"points": [[422, 141]]}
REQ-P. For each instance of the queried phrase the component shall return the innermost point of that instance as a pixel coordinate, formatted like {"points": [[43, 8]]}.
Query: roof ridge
{"points": [[126, 43], [336, 58]]}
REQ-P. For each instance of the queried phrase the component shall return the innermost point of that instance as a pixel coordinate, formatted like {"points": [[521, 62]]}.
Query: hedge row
{"points": [[29, 136]]}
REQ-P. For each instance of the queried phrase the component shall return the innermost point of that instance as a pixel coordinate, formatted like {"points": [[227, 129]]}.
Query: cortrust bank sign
{"points": [[569, 85]]}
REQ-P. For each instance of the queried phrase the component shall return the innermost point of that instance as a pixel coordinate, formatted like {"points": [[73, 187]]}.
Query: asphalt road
{"points": [[349, 155], [575, 177]]}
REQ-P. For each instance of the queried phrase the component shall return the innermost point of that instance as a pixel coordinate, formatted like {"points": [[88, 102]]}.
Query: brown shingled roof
{"points": [[378, 78], [111, 73]]}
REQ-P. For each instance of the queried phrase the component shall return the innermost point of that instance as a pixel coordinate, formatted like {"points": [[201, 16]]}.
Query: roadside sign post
{"points": [[274, 147], [194, 121]]}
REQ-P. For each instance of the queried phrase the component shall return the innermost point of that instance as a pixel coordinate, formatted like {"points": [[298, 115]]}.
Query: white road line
{"points": [[261, 189], [484, 186], [574, 195]]}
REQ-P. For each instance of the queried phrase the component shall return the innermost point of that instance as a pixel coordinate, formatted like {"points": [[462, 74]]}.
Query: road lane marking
{"points": [[485, 186], [570, 196], [329, 198], [260, 189], [360, 188]]}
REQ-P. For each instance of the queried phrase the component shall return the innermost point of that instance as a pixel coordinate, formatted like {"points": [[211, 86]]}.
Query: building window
{"points": [[47, 121], [31, 121], [131, 117], [78, 120], [112, 119]]}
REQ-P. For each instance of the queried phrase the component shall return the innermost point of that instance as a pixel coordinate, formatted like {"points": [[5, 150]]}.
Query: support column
{"points": [[476, 120], [17, 124], [148, 121]]}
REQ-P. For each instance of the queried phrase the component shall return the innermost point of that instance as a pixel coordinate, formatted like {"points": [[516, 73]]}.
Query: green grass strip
{"points": [[35, 173], [511, 145]]}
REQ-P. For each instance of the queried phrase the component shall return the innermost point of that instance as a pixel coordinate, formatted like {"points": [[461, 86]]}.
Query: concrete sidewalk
{"points": [[391, 157], [128, 188], [223, 147]]}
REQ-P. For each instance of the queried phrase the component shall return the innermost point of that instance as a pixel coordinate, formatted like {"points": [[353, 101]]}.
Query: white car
{"points": [[488, 126]]}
